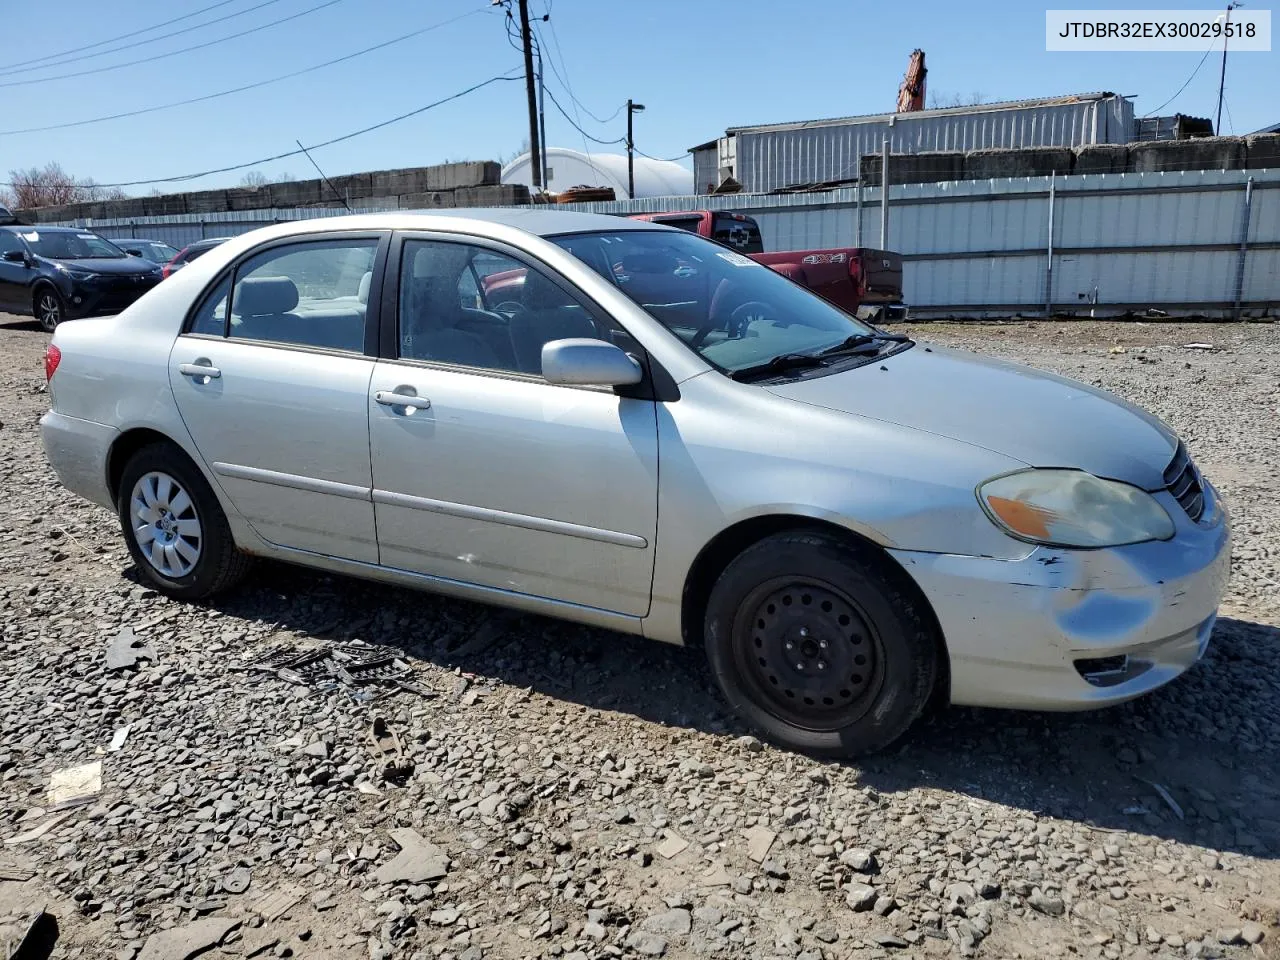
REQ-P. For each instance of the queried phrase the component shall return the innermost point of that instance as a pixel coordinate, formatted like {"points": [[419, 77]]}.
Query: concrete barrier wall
{"points": [[467, 184], [1257, 152]]}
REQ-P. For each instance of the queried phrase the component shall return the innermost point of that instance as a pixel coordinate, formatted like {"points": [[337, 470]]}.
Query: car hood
{"points": [[125, 266], [1026, 414]]}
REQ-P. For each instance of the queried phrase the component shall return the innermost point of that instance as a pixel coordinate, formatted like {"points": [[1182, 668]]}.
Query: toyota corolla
{"points": [[626, 425]]}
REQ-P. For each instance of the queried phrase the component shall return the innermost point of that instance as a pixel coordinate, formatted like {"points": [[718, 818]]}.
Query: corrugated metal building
{"points": [[772, 156]]}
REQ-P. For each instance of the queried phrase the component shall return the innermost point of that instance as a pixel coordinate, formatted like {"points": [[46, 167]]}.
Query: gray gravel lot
{"points": [[579, 794]]}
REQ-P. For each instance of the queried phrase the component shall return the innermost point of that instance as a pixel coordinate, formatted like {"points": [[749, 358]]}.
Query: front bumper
{"points": [[105, 295], [77, 450], [1076, 629]]}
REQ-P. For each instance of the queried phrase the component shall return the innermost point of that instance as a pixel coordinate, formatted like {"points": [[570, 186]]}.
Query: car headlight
{"points": [[1071, 508], [82, 274]]}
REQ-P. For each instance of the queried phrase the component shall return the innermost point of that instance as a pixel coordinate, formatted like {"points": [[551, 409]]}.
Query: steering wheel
{"points": [[510, 308], [739, 319]]}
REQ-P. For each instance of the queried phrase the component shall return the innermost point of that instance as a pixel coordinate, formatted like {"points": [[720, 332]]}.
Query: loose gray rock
{"points": [[671, 923]]}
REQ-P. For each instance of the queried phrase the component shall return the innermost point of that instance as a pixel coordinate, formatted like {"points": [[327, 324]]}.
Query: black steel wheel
{"points": [[813, 657], [823, 644]]}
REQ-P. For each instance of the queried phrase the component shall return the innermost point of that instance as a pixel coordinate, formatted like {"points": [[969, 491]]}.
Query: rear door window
{"points": [[307, 294]]}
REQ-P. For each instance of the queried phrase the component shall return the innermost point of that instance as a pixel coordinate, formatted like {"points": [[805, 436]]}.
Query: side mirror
{"points": [[133, 253], [15, 256], [587, 362]]}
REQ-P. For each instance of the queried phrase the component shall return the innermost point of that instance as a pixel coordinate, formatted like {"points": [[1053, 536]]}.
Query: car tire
{"points": [[48, 307], [823, 645], [174, 526]]}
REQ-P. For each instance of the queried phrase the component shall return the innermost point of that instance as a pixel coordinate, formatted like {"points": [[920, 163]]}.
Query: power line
{"points": [[58, 62], [1185, 85], [244, 87], [569, 90], [123, 36], [315, 146], [680, 156], [173, 53], [576, 124], [607, 143]]}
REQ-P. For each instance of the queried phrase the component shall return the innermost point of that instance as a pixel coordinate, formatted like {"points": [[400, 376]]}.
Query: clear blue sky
{"points": [[698, 66]]}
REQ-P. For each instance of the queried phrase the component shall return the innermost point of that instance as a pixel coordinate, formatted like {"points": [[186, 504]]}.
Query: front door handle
{"points": [[389, 398], [200, 370]]}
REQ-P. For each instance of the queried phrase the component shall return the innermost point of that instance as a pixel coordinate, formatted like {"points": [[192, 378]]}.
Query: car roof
{"points": [[540, 222], [40, 228]]}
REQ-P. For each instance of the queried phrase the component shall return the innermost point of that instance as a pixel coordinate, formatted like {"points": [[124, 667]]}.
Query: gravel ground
{"points": [[578, 794]]}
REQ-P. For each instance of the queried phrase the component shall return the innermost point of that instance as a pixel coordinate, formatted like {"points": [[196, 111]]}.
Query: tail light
{"points": [[52, 357]]}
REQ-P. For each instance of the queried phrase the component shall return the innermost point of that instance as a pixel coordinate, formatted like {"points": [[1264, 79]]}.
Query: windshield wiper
{"points": [[779, 364], [860, 341]]}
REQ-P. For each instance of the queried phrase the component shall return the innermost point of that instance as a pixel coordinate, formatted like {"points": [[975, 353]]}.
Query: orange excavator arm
{"points": [[911, 93]]}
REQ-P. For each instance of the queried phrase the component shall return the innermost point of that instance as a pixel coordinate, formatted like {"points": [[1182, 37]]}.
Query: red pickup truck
{"points": [[863, 282]]}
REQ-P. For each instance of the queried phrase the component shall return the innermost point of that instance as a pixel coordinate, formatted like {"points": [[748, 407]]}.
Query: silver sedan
{"points": [[626, 425]]}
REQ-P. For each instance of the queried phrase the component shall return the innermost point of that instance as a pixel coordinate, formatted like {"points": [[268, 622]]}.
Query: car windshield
{"points": [[71, 245], [735, 313], [159, 252]]}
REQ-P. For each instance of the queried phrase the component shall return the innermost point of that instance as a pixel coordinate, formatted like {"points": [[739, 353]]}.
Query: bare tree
{"points": [[940, 100], [47, 187], [50, 186], [254, 179], [284, 177]]}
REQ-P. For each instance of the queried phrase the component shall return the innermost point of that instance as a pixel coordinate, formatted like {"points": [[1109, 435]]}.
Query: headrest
{"points": [[435, 299], [362, 293], [540, 293], [261, 296]]}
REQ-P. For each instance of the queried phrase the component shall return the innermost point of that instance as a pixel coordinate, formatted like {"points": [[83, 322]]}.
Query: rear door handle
{"points": [[389, 399], [199, 370]]}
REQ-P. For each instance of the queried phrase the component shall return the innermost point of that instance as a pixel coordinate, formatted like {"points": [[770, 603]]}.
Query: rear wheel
{"points": [[48, 308], [174, 527], [823, 645]]}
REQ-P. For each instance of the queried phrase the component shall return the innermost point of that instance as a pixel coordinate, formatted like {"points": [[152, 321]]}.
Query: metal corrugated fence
{"points": [[772, 157], [1122, 242]]}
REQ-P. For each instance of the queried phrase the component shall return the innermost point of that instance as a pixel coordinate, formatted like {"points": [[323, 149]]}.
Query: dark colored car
{"points": [[189, 253], [61, 273], [157, 251]]}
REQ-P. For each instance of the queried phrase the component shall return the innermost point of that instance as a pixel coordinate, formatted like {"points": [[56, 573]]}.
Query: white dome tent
{"points": [[572, 168]]}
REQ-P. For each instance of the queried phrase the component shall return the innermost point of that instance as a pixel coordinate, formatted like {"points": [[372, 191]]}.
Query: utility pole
{"points": [[884, 195], [542, 122], [535, 152], [1222, 80], [632, 108]]}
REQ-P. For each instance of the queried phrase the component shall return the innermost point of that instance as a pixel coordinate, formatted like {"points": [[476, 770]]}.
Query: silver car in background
{"points": [[626, 425]]}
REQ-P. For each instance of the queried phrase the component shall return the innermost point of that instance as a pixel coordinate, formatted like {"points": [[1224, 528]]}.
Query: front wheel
{"points": [[48, 308], [174, 527], [822, 645]]}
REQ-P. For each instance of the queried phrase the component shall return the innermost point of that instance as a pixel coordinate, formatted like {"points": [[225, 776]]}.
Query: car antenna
{"points": [[323, 177]]}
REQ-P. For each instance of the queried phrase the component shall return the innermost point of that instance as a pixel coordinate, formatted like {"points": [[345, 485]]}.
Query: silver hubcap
{"points": [[165, 524], [49, 310]]}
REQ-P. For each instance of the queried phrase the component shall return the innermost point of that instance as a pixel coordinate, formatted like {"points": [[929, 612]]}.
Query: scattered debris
{"points": [[36, 832], [277, 903], [15, 871], [1197, 346], [1166, 797], [237, 881], [255, 942], [418, 861], [759, 840], [672, 846], [118, 739], [1117, 349], [74, 786], [126, 649], [387, 748], [181, 943], [370, 673]]}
